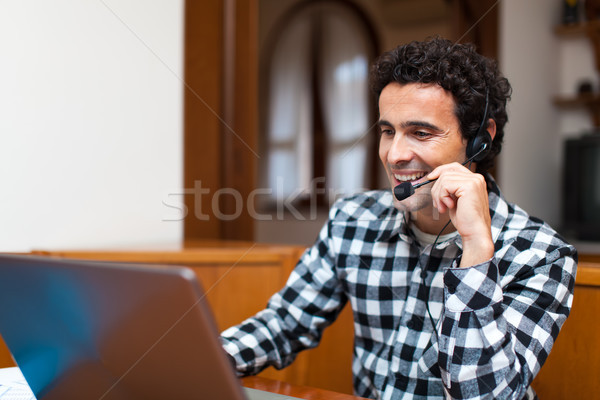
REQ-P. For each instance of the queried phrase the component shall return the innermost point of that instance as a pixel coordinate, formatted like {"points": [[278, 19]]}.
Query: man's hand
{"points": [[464, 194]]}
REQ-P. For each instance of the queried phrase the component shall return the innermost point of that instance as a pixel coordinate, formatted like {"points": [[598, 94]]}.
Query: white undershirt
{"points": [[427, 238]]}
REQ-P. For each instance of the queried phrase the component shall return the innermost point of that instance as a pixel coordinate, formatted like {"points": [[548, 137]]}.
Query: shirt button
{"points": [[410, 324]]}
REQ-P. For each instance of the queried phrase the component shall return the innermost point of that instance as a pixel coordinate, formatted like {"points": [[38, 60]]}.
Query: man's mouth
{"points": [[409, 177]]}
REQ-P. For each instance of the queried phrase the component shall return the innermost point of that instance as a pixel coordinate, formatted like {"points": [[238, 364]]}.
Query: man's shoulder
{"points": [[515, 227], [527, 232], [522, 223]]}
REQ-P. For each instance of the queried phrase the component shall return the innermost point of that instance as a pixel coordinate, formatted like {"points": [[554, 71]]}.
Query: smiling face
{"points": [[419, 132]]}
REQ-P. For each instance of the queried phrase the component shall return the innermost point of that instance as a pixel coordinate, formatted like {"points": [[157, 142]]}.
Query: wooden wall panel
{"points": [[6, 359], [572, 370]]}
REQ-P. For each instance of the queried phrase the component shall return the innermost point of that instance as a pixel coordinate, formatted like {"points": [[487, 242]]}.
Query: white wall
{"points": [[576, 63], [529, 167], [90, 122]]}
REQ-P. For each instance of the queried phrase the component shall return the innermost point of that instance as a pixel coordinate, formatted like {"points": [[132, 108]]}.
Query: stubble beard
{"points": [[419, 203]]}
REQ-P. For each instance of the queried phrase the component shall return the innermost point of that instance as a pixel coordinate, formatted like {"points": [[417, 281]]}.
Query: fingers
{"points": [[456, 167], [463, 194], [453, 182]]}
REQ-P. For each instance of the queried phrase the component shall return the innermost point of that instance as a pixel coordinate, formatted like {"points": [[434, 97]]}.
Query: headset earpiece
{"points": [[479, 146]]}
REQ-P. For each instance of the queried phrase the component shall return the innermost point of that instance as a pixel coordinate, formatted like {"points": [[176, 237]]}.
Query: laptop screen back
{"points": [[91, 330]]}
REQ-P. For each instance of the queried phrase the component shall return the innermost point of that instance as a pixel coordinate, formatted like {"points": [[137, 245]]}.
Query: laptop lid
{"points": [[110, 331]]}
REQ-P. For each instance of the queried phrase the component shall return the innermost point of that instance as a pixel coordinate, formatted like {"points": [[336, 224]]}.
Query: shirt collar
{"points": [[499, 207], [393, 224]]}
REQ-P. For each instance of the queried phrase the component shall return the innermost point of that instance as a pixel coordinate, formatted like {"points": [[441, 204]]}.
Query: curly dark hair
{"points": [[457, 68]]}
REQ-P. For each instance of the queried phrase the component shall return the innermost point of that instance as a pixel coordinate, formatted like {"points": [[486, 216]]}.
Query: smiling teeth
{"points": [[410, 177]]}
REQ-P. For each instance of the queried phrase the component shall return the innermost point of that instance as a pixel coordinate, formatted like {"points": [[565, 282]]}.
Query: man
{"points": [[455, 292]]}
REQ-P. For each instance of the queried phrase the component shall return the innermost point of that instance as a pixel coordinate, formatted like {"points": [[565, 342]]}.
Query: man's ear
{"points": [[491, 128]]}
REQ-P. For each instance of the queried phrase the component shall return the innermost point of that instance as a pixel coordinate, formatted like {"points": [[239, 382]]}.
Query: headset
{"points": [[478, 148]]}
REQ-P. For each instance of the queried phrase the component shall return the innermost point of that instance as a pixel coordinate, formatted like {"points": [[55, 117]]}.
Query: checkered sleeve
{"points": [[502, 317], [295, 316]]}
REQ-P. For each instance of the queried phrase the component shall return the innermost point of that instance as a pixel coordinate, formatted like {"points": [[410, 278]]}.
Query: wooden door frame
{"points": [[220, 118]]}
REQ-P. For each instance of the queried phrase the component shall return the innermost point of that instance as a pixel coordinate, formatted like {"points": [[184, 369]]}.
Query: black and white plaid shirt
{"points": [[496, 321]]}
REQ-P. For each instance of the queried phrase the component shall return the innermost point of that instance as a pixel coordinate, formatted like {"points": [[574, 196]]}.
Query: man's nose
{"points": [[401, 150]]}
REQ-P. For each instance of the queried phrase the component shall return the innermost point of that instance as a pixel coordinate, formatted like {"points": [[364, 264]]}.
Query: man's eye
{"points": [[387, 132], [422, 134]]}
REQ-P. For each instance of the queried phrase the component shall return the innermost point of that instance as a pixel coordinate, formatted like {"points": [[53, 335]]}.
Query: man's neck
{"points": [[432, 222]]}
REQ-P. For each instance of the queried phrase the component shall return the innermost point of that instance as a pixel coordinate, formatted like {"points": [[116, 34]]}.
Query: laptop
{"points": [[112, 331]]}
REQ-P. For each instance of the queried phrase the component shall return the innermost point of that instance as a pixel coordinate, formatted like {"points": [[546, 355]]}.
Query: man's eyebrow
{"points": [[383, 122], [409, 124], [420, 124]]}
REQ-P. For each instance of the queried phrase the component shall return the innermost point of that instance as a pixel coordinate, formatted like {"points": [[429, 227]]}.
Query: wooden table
{"points": [[302, 392]]}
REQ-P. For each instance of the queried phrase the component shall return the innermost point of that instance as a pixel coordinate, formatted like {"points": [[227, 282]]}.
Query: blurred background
{"points": [[130, 123]]}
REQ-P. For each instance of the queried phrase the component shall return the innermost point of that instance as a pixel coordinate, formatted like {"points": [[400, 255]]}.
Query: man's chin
{"points": [[416, 202]]}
